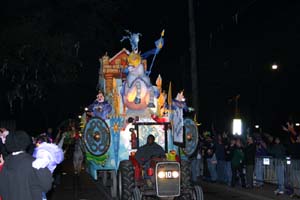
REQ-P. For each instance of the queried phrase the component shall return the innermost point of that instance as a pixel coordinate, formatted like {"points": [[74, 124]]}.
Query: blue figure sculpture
{"points": [[134, 39]]}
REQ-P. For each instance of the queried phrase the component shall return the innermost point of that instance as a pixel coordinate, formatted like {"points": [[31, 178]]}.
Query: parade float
{"points": [[128, 108]]}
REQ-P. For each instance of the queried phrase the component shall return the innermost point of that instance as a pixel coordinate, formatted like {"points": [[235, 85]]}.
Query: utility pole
{"points": [[236, 102], [193, 56]]}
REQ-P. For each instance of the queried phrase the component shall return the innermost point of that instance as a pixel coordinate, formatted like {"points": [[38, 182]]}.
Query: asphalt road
{"points": [[83, 187], [77, 186], [214, 191]]}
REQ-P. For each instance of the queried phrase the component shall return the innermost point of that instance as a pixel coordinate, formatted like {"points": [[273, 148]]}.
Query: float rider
{"points": [[100, 108]]}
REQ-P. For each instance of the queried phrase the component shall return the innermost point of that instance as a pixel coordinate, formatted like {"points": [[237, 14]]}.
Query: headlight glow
{"points": [[161, 174], [175, 174]]}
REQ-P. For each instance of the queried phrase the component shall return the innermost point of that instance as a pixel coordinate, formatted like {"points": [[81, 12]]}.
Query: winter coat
{"points": [[20, 181], [237, 157], [250, 152], [277, 151], [146, 152]]}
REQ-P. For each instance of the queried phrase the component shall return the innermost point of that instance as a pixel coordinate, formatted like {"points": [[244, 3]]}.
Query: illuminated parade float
{"points": [[127, 110]]}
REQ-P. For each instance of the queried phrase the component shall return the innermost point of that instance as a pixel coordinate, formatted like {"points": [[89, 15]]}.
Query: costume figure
{"points": [[179, 102], [47, 154], [100, 107]]}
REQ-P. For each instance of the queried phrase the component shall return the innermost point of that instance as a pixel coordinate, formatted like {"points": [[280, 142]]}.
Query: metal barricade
{"points": [[291, 172], [295, 176], [269, 172]]}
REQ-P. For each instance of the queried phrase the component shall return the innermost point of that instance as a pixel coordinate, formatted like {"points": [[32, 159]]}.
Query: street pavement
{"points": [[216, 191], [77, 186], [83, 187]]}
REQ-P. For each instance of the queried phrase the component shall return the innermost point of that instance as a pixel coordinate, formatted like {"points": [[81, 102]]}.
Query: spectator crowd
{"points": [[238, 160], [30, 166]]}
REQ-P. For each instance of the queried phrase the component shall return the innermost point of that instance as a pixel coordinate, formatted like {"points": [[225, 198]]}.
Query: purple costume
{"points": [[47, 155], [100, 109]]}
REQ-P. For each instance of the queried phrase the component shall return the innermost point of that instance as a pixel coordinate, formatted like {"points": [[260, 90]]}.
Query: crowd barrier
{"points": [[291, 171], [268, 167]]}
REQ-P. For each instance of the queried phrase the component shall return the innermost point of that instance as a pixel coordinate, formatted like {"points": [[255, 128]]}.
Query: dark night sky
{"points": [[237, 42]]}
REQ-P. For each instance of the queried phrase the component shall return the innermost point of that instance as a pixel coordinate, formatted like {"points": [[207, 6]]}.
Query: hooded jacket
{"points": [[18, 179]]}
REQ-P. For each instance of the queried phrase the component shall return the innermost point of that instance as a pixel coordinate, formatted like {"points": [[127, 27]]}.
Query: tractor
{"points": [[138, 109]]}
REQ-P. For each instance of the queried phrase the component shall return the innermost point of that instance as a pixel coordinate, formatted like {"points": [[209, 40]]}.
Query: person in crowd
{"points": [[47, 154], [261, 152], [1, 162], [220, 155], [291, 132], [196, 163], [67, 144], [50, 134], [3, 135], [295, 155], [250, 151], [1, 166], [294, 149], [59, 140], [277, 150], [18, 179], [237, 162], [77, 154], [205, 172], [211, 159], [229, 147]]}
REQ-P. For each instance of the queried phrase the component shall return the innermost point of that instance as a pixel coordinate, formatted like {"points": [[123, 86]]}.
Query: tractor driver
{"points": [[150, 150]]}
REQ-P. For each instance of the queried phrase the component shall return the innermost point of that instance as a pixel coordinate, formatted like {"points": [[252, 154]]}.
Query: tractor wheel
{"points": [[136, 194], [126, 181], [197, 193], [104, 178], [185, 174], [113, 187]]}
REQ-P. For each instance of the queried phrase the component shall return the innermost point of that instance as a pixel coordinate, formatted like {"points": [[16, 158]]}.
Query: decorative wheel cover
{"points": [[191, 136], [96, 136]]}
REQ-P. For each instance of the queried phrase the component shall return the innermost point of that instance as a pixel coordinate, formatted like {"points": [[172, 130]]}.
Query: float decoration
{"points": [[133, 109], [191, 137], [115, 128], [97, 136], [134, 39], [159, 44], [137, 91], [99, 160], [178, 105]]}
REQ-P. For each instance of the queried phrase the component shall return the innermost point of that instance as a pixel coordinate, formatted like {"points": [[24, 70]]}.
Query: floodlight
{"points": [[237, 127]]}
